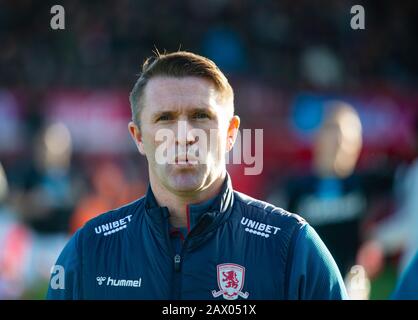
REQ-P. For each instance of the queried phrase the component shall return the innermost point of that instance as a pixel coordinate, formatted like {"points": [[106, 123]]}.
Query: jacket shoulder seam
{"points": [[128, 208], [282, 212]]}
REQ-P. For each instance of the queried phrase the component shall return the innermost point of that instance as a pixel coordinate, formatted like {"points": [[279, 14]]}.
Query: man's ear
{"points": [[136, 135], [232, 132]]}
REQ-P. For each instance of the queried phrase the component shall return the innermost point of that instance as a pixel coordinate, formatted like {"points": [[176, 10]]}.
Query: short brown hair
{"points": [[178, 64]]}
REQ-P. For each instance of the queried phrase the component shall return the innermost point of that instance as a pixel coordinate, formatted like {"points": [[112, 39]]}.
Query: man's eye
{"points": [[201, 115], [164, 117]]}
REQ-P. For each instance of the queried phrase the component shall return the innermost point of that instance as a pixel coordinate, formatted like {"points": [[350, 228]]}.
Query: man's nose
{"points": [[185, 135]]}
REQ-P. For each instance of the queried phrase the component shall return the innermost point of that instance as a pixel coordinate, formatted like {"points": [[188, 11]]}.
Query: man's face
{"points": [[338, 145], [326, 147], [185, 132]]}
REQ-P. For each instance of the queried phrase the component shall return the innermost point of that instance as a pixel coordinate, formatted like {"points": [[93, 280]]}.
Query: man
{"points": [[332, 199], [192, 236], [397, 232]]}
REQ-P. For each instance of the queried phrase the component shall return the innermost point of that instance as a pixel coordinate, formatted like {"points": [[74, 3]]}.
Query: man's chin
{"points": [[186, 181]]}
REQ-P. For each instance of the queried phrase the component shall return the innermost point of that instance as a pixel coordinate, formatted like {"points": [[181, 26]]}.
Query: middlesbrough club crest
{"points": [[230, 281]]}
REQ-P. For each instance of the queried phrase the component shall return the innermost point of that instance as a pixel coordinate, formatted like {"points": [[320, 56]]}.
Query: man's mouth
{"points": [[185, 159]]}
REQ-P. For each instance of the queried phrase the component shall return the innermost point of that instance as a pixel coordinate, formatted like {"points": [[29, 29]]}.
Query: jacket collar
{"points": [[216, 209]]}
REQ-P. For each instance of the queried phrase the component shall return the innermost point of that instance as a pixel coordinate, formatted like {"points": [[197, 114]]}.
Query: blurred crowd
{"points": [[306, 43], [338, 107]]}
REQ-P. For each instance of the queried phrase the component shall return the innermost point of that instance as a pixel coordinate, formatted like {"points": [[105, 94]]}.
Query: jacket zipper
{"points": [[178, 257], [177, 262]]}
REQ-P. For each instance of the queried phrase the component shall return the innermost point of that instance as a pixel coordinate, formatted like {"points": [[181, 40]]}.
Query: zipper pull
{"points": [[177, 261]]}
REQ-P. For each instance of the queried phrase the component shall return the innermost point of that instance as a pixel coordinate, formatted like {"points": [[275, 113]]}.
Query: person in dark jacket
{"points": [[192, 236]]}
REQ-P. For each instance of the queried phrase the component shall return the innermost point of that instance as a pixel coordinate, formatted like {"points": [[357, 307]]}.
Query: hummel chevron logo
{"points": [[100, 280]]}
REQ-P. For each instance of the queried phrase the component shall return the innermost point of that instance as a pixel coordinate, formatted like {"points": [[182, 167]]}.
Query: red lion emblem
{"points": [[230, 277]]}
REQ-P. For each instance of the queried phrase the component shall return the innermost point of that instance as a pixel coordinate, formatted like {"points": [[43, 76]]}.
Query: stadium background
{"points": [[64, 146]]}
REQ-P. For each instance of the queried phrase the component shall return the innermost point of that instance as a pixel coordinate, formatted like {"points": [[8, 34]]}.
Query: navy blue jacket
{"points": [[237, 248]]}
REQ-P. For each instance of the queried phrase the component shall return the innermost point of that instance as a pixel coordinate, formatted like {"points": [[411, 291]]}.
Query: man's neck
{"points": [[177, 202]]}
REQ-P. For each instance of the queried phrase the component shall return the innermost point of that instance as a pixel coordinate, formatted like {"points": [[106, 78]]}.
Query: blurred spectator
{"points": [[321, 67], [288, 42], [110, 190], [398, 232], [44, 190], [4, 186], [25, 257], [14, 243], [333, 199]]}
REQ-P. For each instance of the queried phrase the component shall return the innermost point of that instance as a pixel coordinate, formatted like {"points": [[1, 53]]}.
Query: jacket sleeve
{"points": [[313, 274], [65, 281], [407, 287]]}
